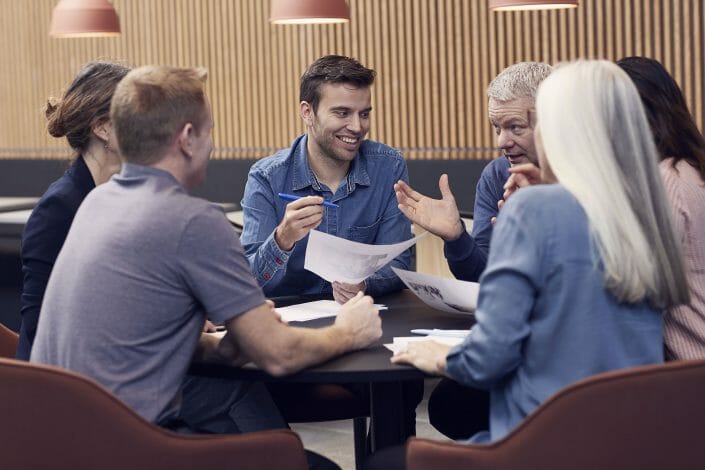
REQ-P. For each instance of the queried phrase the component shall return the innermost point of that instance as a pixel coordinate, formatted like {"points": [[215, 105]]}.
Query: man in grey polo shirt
{"points": [[144, 264]]}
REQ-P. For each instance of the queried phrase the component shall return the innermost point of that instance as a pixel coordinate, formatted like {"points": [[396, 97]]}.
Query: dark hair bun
{"points": [[55, 126]]}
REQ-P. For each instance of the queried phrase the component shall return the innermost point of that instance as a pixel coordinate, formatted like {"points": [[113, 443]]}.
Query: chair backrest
{"points": [[51, 418], [650, 417], [8, 342]]}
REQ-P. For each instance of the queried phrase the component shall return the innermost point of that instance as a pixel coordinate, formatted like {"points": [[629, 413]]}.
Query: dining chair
{"points": [[53, 418], [650, 417], [8, 342]]}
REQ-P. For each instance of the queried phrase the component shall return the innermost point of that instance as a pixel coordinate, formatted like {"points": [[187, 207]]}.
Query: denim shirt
{"points": [[368, 213], [467, 256]]}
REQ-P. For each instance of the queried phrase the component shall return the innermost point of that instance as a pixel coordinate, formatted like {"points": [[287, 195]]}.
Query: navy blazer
{"points": [[42, 240]]}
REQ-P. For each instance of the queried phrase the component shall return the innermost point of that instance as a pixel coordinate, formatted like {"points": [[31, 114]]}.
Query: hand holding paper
{"points": [[343, 292], [338, 259]]}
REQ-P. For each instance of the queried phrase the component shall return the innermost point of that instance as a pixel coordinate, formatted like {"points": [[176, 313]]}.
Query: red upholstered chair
{"points": [[52, 418], [644, 418], [8, 342]]}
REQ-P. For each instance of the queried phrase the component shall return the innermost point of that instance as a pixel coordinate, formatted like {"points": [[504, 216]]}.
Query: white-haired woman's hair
{"points": [[599, 146], [520, 80]]}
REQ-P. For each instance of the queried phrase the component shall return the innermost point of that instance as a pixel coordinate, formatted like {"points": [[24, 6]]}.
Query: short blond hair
{"points": [[150, 107]]}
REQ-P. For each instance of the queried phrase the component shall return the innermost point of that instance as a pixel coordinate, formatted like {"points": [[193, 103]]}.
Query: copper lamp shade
{"points": [[309, 11], [513, 5], [84, 18]]}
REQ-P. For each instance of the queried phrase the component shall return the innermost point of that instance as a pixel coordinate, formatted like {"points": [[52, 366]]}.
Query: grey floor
{"points": [[334, 439]]}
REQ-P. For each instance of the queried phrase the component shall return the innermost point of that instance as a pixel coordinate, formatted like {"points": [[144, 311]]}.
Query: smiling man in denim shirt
{"points": [[331, 162]]}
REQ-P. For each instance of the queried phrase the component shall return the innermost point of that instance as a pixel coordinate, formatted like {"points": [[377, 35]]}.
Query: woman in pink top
{"points": [[682, 150]]}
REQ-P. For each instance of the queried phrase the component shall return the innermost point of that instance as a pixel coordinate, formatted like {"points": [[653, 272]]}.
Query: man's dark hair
{"points": [[333, 69]]}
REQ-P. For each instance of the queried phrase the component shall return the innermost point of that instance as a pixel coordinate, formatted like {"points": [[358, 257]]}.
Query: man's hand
{"points": [[301, 216], [230, 351], [428, 356], [211, 348], [209, 327], [360, 318], [438, 216], [523, 175], [520, 176], [343, 292]]}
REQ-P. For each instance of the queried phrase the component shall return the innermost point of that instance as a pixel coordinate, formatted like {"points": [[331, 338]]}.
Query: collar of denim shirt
{"points": [[303, 176]]}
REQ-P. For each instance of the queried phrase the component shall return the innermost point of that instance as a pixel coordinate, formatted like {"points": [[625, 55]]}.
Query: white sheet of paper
{"points": [[400, 342], [337, 259], [449, 295], [307, 311], [313, 310]]}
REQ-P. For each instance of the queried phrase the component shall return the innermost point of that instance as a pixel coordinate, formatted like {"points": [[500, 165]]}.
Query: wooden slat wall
{"points": [[434, 60]]}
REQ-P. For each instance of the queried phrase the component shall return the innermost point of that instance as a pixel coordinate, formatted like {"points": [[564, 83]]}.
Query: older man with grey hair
{"points": [[455, 410], [511, 99]]}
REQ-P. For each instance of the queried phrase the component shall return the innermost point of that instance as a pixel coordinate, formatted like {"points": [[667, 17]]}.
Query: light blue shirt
{"points": [[544, 317], [367, 213]]}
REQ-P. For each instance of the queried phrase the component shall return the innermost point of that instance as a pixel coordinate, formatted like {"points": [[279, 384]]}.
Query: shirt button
{"points": [[279, 261], [266, 275]]}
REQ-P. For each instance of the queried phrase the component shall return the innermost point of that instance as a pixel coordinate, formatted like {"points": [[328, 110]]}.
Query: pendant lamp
{"points": [[84, 18], [514, 5], [309, 11]]}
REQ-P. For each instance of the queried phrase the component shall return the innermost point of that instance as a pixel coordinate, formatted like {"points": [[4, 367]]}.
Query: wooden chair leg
{"points": [[360, 437]]}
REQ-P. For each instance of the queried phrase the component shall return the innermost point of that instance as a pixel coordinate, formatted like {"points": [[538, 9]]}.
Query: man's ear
{"points": [[185, 139], [307, 113]]}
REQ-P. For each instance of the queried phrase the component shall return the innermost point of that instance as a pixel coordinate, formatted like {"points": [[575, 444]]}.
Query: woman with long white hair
{"points": [[580, 269]]}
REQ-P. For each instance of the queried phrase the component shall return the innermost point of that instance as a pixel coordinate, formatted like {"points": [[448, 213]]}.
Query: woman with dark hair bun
{"points": [[681, 149], [82, 115]]}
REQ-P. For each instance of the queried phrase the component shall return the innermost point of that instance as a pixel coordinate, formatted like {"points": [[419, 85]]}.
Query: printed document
{"points": [[449, 295], [337, 259], [308, 311], [313, 310]]}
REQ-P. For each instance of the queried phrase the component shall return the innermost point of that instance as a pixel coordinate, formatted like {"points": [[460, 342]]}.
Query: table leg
{"points": [[386, 415]]}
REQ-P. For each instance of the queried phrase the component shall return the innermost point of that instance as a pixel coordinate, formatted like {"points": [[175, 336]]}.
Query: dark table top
{"points": [[405, 312]]}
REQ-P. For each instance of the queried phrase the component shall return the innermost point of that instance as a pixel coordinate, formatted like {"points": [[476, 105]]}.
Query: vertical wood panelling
{"points": [[434, 60]]}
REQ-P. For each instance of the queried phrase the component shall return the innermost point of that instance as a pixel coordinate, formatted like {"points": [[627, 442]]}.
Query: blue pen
{"points": [[291, 197]]}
